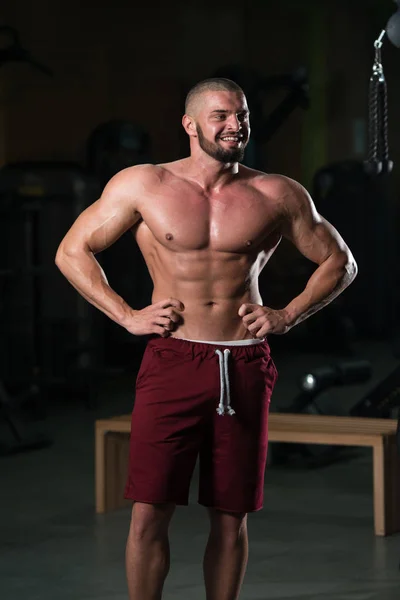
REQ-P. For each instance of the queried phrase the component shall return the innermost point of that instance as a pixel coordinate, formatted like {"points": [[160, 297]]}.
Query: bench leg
{"points": [[116, 469], [100, 469], [386, 487]]}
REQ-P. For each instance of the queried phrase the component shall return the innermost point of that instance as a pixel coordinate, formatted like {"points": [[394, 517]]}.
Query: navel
{"points": [[169, 236]]}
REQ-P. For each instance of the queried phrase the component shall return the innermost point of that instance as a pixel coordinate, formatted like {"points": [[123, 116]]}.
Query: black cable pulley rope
{"points": [[378, 150]]}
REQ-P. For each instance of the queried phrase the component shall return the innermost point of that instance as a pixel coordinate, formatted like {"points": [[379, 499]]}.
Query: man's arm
{"points": [[97, 228], [318, 241]]}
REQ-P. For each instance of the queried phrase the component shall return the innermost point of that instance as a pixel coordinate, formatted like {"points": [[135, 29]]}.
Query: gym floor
{"points": [[313, 539]]}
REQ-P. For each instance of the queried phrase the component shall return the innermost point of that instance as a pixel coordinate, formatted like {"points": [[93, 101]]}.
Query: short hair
{"points": [[215, 84]]}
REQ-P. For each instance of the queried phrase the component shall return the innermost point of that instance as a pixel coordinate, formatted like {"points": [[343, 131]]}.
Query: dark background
{"points": [[134, 63], [63, 364]]}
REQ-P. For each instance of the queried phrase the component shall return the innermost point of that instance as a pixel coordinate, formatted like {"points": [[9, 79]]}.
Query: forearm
{"points": [[86, 275], [326, 283]]}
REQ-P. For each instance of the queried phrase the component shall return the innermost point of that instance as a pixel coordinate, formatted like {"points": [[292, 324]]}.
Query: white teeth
{"points": [[230, 139]]}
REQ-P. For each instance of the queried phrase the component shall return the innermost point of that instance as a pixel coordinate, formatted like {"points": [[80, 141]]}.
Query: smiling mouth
{"points": [[231, 139]]}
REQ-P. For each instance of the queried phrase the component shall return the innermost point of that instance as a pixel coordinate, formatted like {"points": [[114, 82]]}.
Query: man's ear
{"points": [[189, 125]]}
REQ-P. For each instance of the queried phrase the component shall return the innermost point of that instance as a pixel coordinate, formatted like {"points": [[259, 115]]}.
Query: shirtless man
{"points": [[206, 226]]}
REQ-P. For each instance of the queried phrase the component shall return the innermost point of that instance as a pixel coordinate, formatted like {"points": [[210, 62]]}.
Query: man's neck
{"points": [[209, 173]]}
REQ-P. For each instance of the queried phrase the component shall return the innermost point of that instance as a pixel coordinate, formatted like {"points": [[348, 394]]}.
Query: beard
{"points": [[224, 155]]}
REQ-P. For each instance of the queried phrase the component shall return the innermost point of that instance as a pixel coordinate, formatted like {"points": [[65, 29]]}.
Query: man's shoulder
{"points": [[268, 183], [286, 195], [278, 187], [137, 175], [137, 172]]}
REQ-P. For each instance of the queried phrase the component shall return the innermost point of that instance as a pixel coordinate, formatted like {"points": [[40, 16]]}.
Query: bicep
{"points": [[313, 236], [102, 223]]}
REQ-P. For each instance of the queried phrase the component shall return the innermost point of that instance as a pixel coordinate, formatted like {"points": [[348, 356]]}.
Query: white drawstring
{"points": [[224, 384]]}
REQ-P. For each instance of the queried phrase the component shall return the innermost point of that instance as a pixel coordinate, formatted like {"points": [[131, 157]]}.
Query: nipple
{"points": [[249, 243], [169, 236]]}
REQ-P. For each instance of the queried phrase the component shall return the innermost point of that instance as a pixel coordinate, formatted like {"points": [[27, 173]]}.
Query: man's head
{"points": [[217, 119]]}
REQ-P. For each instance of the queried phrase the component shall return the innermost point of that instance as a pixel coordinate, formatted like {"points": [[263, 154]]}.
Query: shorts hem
{"points": [[232, 510], [136, 498]]}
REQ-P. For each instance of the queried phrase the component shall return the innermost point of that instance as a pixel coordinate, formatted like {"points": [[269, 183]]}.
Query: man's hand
{"points": [[261, 320], [161, 317]]}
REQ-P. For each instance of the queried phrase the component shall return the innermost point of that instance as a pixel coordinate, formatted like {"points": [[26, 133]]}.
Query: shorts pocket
{"points": [[169, 354], [145, 366], [261, 376]]}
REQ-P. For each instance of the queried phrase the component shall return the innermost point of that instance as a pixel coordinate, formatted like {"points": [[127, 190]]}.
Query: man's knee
{"points": [[227, 523], [150, 521]]}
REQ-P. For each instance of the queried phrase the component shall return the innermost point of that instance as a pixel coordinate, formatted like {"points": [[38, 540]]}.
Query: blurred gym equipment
{"points": [[382, 400], [378, 85], [311, 400], [49, 338], [115, 145], [11, 50], [22, 437], [356, 198], [45, 325]]}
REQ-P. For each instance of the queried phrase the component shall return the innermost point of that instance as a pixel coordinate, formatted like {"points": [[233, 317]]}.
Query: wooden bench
{"points": [[112, 440]]}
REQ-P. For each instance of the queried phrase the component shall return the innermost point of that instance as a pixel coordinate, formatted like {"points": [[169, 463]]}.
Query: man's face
{"points": [[222, 125]]}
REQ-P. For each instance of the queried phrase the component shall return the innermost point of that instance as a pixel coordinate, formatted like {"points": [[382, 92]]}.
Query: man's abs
{"points": [[207, 252], [211, 285], [212, 321]]}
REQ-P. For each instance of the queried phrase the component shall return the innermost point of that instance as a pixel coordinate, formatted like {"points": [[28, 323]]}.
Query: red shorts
{"points": [[201, 399]]}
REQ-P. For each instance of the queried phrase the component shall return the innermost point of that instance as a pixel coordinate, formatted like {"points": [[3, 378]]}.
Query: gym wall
{"points": [[135, 61]]}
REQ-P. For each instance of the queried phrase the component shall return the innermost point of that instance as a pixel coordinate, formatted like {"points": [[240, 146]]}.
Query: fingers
{"points": [[171, 314], [253, 316], [167, 318], [161, 331], [245, 309], [165, 322], [249, 309], [257, 325], [261, 330], [170, 302]]}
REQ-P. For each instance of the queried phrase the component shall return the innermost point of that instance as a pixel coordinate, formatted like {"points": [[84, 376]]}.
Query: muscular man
{"points": [[206, 226]]}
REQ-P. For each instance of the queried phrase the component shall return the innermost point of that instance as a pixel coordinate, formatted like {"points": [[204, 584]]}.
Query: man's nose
{"points": [[234, 123]]}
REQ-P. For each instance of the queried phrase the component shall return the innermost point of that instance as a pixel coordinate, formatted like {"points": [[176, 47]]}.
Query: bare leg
{"points": [[147, 550], [226, 555]]}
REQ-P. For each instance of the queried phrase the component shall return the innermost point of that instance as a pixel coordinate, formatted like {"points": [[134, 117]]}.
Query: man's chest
{"points": [[229, 222]]}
